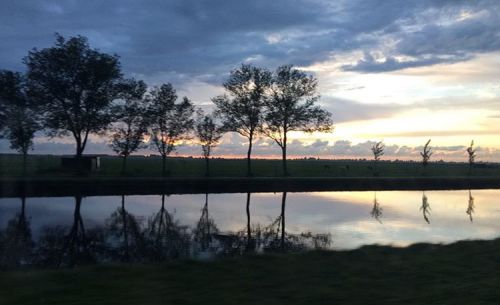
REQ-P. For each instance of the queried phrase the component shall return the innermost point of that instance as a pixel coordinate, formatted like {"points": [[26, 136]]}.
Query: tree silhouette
{"points": [[291, 107], [242, 110], [19, 113], [471, 152], [378, 151], [130, 126], [209, 134], [74, 86], [426, 154], [169, 122]]}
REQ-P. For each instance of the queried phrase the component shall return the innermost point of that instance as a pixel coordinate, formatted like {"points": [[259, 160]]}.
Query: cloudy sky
{"points": [[397, 71]]}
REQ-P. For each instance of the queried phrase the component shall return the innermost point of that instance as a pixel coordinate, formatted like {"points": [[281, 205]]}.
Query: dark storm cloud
{"points": [[194, 38]]}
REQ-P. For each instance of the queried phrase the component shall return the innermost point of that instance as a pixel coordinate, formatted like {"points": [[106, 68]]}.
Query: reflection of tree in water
{"points": [[425, 208], [16, 245], [376, 211], [274, 237], [124, 239], [205, 230], [470, 206], [125, 235], [74, 248], [166, 239]]}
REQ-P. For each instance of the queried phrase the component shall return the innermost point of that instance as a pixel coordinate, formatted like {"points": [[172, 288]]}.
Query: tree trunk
{"points": [[249, 153], [78, 157], [124, 164], [25, 157], [164, 165], [283, 202], [207, 166], [285, 168]]}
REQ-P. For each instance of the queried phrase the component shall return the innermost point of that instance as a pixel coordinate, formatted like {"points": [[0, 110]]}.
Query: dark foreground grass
{"points": [[46, 166], [461, 273]]}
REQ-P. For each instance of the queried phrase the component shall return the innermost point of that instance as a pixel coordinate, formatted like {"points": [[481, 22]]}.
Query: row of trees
{"points": [[426, 153], [72, 89]]}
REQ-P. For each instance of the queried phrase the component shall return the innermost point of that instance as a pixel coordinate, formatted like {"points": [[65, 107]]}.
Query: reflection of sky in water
{"points": [[346, 215]]}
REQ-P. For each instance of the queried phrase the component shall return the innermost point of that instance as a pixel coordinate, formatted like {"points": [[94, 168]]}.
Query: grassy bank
{"points": [[48, 166], [461, 273]]}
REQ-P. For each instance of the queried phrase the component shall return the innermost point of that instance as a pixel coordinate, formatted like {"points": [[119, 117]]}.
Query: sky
{"points": [[401, 72]]}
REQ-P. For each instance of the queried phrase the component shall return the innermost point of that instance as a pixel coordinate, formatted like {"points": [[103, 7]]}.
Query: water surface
{"points": [[72, 230]]}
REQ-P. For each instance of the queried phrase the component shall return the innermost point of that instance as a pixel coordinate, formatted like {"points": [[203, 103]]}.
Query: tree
{"points": [[209, 134], [20, 115], [378, 151], [169, 122], [130, 128], [426, 153], [291, 107], [74, 85], [472, 155], [242, 110]]}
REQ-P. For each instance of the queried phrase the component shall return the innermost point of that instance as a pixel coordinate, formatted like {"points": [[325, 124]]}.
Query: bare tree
{"points": [[426, 154], [291, 106], [208, 133], [378, 151], [242, 110], [471, 152], [74, 85], [169, 122], [130, 126], [20, 116]]}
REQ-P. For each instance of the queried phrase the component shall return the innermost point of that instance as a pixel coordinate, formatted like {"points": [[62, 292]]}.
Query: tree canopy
{"points": [[291, 106], [74, 86], [130, 125], [169, 122], [242, 110]]}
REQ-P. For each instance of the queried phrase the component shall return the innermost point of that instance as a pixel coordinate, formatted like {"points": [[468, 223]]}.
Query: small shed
{"points": [[88, 163]]}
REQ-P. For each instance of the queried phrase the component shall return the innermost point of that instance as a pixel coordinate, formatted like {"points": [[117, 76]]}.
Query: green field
{"points": [[11, 165], [461, 273]]}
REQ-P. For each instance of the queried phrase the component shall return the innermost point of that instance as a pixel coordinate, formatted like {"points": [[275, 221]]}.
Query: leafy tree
{"points": [[209, 134], [291, 107], [471, 152], [130, 128], [74, 86], [169, 122], [242, 110], [426, 154], [20, 115]]}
